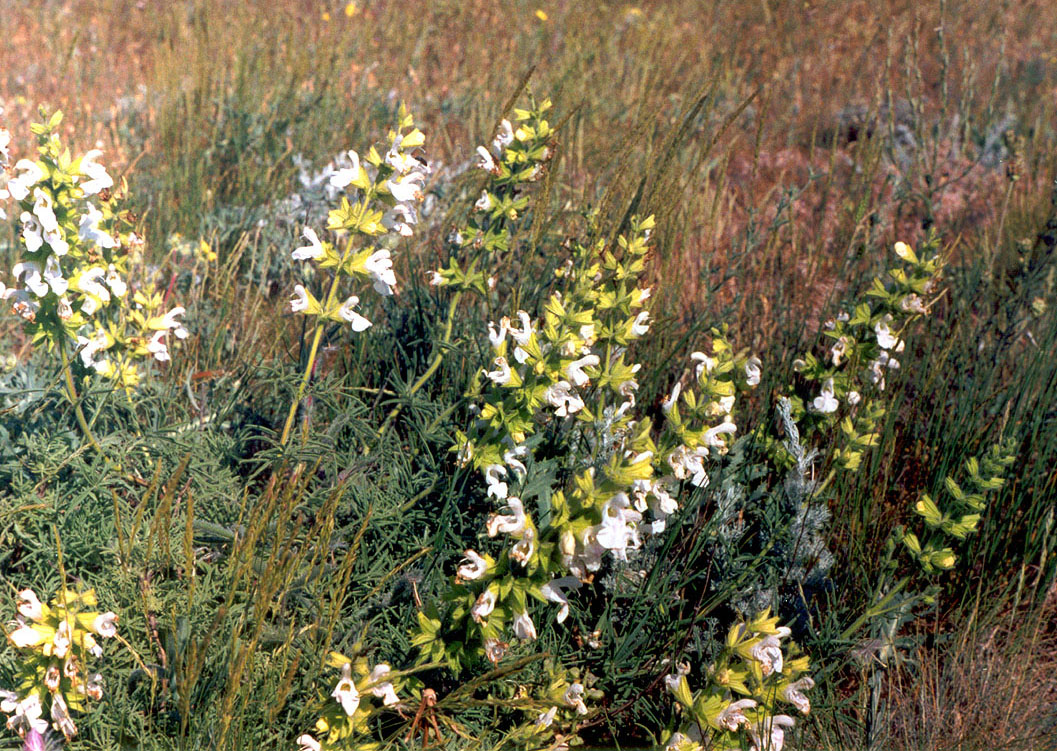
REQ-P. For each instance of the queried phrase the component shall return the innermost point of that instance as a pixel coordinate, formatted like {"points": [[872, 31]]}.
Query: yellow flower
{"points": [[351, 10], [326, 16], [541, 15]]}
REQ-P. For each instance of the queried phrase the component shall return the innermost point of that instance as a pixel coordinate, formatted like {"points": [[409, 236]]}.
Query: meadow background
{"points": [[783, 146]]}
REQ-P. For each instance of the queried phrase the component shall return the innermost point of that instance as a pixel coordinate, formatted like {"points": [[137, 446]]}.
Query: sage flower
{"points": [[312, 251], [345, 691], [98, 179], [733, 715], [524, 628]]}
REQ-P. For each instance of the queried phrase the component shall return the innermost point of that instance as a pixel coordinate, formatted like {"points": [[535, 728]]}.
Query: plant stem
{"points": [[310, 365], [71, 391]]}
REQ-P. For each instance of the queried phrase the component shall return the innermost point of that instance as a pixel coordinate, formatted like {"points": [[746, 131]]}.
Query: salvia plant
{"points": [[748, 688], [79, 249], [377, 205], [58, 643]]}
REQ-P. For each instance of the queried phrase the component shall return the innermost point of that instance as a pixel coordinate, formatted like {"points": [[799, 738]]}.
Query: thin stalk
{"points": [[71, 391], [318, 336]]}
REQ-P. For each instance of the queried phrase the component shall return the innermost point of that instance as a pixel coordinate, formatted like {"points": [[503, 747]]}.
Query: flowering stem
{"points": [[433, 366], [307, 375], [71, 391]]}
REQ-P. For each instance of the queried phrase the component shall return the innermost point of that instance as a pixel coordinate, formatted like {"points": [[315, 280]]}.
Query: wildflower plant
{"points": [[747, 691], [560, 397], [78, 251], [360, 694], [378, 206], [57, 644], [840, 386]]}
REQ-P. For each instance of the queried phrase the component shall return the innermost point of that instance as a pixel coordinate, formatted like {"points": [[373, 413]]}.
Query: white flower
{"points": [[31, 175], [546, 719], [752, 371], [561, 396], [90, 282], [43, 208], [712, 435], [88, 229], [768, 652], [485, 202], [641, 326], [885, 338], [158, 347], [853, 398], [300, 301], [105, 625], [524, 549], [435, 278], [53, 276], [32, 232], [485, 161], [33, 280], [704, 363], [359, 323], [575, 369], [574, 697], [733, 715], [522, 335], [345, 692], [312, 251], [24, 636], [25, 714], [472, 567], [382, 688], [826, 402], [29, 606], [511, 524], [115, 282], [502, 375], [94, 685], [98, 179], [344, 176], [5, 140], [400, 219], [770, 734], [308, 743], [512, 461], [496, 338], [913, 304], [484, 606], [617, 532], [380, 267], [60, 715], [552, 590], [89, 347], [492, 475], [524, 628], [406, 188], [794, 694], [504, 137], [838, 350], [673, 399]]}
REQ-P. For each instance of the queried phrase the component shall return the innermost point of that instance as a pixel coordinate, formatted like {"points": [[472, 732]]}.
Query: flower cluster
{"points": [[518, 156], [360, 693], [756, 666], [566, 377], [960, 515], [384, 190], [864, 346], [74, 273], [56, 642]]}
